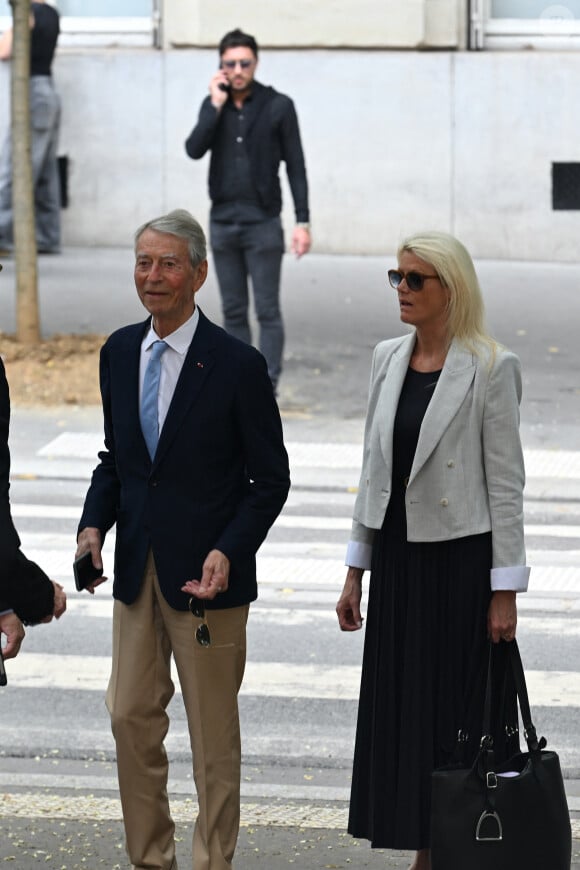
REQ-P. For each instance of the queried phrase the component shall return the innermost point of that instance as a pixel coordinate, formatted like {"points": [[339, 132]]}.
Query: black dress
{"points": [[425, 657]]}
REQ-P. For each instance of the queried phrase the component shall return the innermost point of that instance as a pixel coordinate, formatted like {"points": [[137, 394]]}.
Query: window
{"points": [[537, 9], [524, 24], [102, 22]]}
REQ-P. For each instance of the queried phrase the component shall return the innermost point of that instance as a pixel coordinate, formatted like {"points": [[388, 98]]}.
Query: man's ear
{"points": [[200, 274]]}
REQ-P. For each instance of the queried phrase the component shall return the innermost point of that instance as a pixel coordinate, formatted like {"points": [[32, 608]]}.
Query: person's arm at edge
{"points": [[100, 507], [293, 156], [6, 41]]}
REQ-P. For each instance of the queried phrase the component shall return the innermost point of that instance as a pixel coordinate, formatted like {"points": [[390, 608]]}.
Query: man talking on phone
{"points": [[249, 129]]}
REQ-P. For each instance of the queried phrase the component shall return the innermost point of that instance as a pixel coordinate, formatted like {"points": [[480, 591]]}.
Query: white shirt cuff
{"points": [[514, 579], [358, 555]]}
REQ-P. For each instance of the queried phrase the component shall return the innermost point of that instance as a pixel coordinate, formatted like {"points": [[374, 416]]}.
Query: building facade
{"points": [[449, 114]]}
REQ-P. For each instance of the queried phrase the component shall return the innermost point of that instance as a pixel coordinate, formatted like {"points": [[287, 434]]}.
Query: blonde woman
{"points": [[438, 520]]}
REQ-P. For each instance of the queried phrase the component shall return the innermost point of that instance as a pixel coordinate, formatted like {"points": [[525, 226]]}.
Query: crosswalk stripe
{"points": [[277, 568], [320, 610], [262, 679], [563, 464], [284, 521], [291, 575]]}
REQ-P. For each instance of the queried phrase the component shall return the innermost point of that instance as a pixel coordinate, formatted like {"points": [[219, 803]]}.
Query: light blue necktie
{"points": [[150, 397]]}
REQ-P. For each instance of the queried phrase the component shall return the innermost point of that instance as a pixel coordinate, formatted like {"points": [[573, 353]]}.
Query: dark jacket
{"points": [[273, 136], [24, 587], [219, 477]]}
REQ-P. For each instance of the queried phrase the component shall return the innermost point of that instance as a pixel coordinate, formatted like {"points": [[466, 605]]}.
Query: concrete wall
{"points": [[395, 141]]}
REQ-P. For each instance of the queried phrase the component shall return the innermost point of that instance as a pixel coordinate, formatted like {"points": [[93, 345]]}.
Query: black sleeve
{"points": [[102, 498], [24, 587], [201, 138], [293, 156]]}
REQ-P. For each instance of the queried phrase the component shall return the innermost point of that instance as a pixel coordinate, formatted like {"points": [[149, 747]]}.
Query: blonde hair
{"points": [[454, 266]]}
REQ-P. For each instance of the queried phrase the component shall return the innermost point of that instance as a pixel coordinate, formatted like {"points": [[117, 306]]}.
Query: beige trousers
{"points": [[145, 635]]}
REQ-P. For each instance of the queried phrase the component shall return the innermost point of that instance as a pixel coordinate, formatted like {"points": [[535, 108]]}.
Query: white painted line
{"points": [[74, 445], [286, 521], [46, 511], [289, 521], [564, 464], [267, 611], [561, 531], [262, 679], [280, 566]]}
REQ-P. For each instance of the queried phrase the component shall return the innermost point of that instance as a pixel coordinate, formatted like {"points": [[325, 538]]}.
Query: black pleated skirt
{"points": [[423, 678]]}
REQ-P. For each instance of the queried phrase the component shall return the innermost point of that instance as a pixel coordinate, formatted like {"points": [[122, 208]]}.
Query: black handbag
{"points": [[502, 817]]}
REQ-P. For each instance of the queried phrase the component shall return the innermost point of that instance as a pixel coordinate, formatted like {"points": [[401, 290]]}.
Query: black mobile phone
{"points": [[85, 572], [3, 677], [223, 86]]}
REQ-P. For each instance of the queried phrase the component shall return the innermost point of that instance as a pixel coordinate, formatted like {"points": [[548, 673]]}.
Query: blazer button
{"points": [[450, 464], [444, 502], [154, 482]]}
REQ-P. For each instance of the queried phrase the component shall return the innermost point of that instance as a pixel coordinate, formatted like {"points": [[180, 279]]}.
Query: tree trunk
{"points": [[27, 314]]}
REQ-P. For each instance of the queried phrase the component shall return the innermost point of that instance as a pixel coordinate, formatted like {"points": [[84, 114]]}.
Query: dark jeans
{"points": [[254, 250]]}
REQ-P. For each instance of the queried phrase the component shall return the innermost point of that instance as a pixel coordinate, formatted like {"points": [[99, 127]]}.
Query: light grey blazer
{"points": [[468, 472]]}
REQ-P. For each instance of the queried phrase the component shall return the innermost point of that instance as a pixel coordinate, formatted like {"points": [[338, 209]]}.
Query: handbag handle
{"points": [[522, 691], [515, 660]]}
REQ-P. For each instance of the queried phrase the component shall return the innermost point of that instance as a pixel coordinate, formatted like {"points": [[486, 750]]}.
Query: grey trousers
{"points": [[45, 120], [254, 251]]}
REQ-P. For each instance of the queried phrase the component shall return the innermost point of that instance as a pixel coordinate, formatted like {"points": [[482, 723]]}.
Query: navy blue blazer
{"points": [[219, 477], [24, 587]]}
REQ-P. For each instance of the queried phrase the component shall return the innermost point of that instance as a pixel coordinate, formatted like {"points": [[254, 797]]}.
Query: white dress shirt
{"points": [[171, 362]]}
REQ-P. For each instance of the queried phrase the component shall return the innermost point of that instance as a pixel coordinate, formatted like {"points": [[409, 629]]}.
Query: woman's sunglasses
{"points": [[202, 635], [413, 280]]}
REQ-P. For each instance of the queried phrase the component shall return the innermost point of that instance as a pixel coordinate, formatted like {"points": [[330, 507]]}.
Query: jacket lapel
{"points": [[454, 382], [388, 398], [197, 365], [127, 383]]}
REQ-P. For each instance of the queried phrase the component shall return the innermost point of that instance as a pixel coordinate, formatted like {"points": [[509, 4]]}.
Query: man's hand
{"points": [[217, 95], [59, 602], [90, 539], [11, 626], [301, 241], [214, 578]]}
